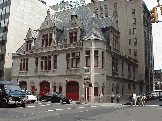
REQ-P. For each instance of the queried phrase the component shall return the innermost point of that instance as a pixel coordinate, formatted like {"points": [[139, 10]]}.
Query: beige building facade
{"points": [[133, 19], [69, 51]]}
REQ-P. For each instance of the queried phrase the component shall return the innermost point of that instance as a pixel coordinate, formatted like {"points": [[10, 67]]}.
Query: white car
{"points": [[30, 97]]}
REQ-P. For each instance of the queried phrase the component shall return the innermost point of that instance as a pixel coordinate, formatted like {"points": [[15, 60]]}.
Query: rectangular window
{"points": [[49, 62], [73, 61], [97, 15], [27, 64], [73, 37], [77, 59], [134, 86], [129, 51], [103, 59], [21, 63], [46, 40], [129, 86], [133, 71], [134, 21], [36, 62], [101, 15], [50, 39], [133, 11], [95, 91], [122, 66], [24, 64], [103, 90], [106, 14], [101, 8], [129, 41], [129, 69], [55, 61], [135, 41], [105, 6], [68, 60], [42, 62], [45, 62], [95, 58], [135, 52], [87, 58], [60, 89], [134, 31], [129, 31]]}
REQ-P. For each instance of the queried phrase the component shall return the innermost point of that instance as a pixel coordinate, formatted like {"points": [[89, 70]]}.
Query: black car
{"points": [[55, 97], [11, 94]]}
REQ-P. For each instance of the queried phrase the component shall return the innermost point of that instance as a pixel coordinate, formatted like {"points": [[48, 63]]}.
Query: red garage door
{"points": [[44, 88], [72, 90], [23, 85]]}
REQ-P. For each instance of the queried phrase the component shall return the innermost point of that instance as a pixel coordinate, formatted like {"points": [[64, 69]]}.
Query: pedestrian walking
{"points": [[117, 97], [112, 97], [140, 100], [143, 99], [134, 98], [100, 97]]}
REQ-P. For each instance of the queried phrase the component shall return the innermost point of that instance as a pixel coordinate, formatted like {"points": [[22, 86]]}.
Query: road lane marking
{"points": [[81, 107], [29, 106]]}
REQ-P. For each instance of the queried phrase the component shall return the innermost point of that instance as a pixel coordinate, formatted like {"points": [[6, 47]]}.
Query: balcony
{"points": [[73, 71], [60, 47]]}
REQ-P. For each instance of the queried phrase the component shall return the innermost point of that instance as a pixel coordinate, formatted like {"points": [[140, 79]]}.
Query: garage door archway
{"points": [[44, 88], [72, 90]]}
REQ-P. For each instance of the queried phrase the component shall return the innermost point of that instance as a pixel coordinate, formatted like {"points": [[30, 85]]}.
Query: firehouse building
{"points": [[71, 51]]}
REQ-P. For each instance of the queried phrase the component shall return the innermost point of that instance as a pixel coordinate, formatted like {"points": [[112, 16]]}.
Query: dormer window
{"points": [[28, 45], [73, 37], [46, 39]]}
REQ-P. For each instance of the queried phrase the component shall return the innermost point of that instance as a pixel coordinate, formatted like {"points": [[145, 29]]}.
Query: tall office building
{"points": [[133, 19], [16, 17]]}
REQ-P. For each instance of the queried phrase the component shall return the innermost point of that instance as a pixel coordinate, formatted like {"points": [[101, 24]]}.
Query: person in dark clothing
{"points": [[117, 97]]}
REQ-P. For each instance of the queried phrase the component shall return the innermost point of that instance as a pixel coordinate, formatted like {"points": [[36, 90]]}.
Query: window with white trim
{"points": [[73, 37], [45, 62], [28, 45], [24, 64], [95, 58], [87, 56], [55, 61], [68, 60]]}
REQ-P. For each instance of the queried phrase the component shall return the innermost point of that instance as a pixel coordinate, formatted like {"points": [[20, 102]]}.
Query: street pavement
{"points": [[47, 111]]}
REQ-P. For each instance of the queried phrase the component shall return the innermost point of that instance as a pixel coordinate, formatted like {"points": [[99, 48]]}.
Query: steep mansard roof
{"points": [[90, 25]]}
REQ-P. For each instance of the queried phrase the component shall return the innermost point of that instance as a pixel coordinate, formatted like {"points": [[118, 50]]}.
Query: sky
{"points": [[156, 30]]}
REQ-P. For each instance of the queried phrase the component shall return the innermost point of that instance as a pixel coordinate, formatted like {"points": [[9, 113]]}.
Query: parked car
{"points": [[154, 95], [11, 94], [55, 97], [129, 101], [160, 97], [35, 94], [30, 97]]}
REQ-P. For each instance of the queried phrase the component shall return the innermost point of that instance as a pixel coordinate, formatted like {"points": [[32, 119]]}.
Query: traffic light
{"points": [[161, 10], [154, 15]]}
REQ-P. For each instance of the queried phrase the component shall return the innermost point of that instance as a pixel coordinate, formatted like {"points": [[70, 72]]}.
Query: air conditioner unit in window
{"points": [[77, 54]]}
